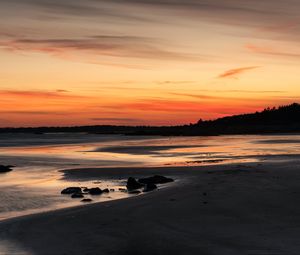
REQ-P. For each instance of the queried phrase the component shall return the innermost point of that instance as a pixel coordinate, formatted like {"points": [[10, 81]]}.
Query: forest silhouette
{"points": [[282, 119]]}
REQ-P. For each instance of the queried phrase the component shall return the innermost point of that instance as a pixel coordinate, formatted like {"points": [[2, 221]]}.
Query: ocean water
{"points": [[35, 183]]}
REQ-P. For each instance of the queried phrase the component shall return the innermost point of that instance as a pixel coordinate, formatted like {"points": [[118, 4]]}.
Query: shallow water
{"points": [[36, 182]]}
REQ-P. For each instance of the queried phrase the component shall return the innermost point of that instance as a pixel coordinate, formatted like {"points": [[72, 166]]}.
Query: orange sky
{"points": [[146, 62]]}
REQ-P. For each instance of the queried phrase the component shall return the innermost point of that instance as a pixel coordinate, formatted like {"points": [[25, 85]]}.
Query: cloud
{"points": [[259, 13], [100, 45], [116, 119], [271, 52], [251, 91], [281, 27], [173, 82], [153, 18], [158, 105], [233, 73], [79, 8], [38, 94], [209, 98], [32, 112], [62, 91], [264, 13], [242, 91], [195, 95]]}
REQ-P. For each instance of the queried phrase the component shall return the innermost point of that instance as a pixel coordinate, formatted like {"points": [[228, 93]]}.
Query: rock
{"points": [[122, 189], [105, 190], [133, 184], [134, 192], [112, 190], [85, 189], [71, 190], [86, 200], [156, 179], [77, 195], [149, 187], [95, 191], [5, 169]]}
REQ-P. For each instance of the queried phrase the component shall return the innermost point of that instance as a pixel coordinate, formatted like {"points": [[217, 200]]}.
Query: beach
{"points": [[245, 208], [231, 195]]}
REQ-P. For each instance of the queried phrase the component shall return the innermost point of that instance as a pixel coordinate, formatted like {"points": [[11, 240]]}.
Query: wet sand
{"points": [[250, 208]]}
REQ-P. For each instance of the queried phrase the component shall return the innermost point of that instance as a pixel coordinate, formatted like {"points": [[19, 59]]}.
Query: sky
{"points": [[145, 62]]}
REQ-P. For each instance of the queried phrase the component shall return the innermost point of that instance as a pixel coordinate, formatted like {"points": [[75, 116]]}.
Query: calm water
{"points": [[35, 183]]}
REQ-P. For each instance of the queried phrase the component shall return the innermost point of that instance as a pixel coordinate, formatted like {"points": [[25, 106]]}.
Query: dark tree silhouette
{"points": [[283, 119]]}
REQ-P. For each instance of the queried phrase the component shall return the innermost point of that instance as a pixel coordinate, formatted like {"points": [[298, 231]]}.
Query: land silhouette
{"points": [[248, 206], [282, 119]]}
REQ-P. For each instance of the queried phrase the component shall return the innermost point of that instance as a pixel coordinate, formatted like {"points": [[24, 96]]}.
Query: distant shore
{"points": [[283, 119], [231, 209]]}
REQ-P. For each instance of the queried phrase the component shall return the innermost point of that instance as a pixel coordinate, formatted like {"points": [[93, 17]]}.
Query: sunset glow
{"points": [[148, 62]]}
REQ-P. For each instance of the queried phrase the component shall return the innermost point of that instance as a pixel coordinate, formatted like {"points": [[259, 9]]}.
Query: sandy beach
{"points": [[250, 208]]}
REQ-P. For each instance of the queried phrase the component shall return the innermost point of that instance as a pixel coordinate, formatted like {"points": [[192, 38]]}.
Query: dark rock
{"points": [[86, 189], [5, 169], [134, 192], [85, 200], [105, 190], [71, 190], [95, 191], [77, 195], [149, 187], [122, 189], [112, 190], [156, 179], [133, 184]]}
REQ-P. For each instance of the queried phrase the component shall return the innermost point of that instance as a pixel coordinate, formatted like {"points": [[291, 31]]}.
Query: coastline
{"points": [[247, 208]]}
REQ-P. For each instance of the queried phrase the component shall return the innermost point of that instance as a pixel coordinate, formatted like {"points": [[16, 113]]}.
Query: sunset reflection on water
{"points": [[35, 183]]}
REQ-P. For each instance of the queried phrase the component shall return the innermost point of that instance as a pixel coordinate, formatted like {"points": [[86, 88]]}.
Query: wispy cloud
{"points": [[59, 94], [281, 27], [244, 91], [215, 96], [170, 105], [173, 82], [275, 16], [78, 17], [233, 73], [195, 95], [100, 45], [85, 8], [24, 112], [118, 120], [271, 51]]}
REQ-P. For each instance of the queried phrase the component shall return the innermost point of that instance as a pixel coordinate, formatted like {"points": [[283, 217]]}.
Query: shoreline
{"points": [[46, 211], [223, 209]]}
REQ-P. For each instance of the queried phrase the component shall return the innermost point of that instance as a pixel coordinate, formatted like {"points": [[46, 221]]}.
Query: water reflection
{"points": [[35, 183], [8, 247]]}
